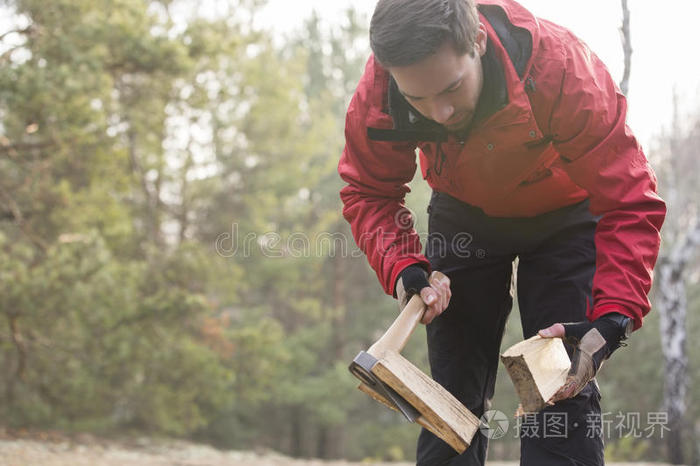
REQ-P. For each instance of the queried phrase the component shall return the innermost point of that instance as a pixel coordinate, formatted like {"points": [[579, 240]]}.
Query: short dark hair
{"points": [[403, 32]]}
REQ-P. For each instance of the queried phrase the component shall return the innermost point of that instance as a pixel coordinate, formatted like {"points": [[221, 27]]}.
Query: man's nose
{"points": [[442, 111]]}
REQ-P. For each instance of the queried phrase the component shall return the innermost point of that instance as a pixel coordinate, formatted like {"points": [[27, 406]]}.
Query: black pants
{"points": [[556, 254]]}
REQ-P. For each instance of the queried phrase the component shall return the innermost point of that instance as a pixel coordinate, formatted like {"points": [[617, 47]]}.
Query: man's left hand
{"points": [[593, 343]]}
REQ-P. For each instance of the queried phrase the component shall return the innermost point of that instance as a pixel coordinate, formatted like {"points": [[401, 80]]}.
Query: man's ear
{"points": [[480, 42]]}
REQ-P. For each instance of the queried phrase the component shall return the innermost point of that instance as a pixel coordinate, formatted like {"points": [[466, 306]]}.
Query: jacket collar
{"points": [[520, 21]]}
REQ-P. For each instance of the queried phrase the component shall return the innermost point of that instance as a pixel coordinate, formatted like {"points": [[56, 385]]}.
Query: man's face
{"points": [[445, 87]]}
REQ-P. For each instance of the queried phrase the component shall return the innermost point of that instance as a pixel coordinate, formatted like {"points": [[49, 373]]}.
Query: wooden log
{"points": [[538, 368], [450, 420], [422, 421]]}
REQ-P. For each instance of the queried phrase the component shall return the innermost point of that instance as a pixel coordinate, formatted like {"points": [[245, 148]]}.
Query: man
{"points": [[522, 137]]}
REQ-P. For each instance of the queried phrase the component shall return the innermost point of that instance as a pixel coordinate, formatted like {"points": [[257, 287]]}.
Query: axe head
{"points": [[361, 367]]}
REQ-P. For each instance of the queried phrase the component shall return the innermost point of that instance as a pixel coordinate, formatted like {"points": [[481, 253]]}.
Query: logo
{"points": [[494, 424]]}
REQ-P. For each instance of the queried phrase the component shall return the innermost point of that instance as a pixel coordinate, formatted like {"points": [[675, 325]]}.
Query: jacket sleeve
{"points": [[601, 155], [377, 174]]}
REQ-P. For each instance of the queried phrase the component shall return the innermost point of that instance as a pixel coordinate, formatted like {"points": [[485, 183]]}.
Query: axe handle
{"points": [[400, 331], [397, 335]]}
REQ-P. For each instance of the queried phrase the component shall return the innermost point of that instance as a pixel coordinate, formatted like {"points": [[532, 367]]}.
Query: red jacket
{"points": [[560, 139]]}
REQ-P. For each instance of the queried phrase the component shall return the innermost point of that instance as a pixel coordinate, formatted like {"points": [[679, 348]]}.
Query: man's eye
{"points": [[455, 88]]}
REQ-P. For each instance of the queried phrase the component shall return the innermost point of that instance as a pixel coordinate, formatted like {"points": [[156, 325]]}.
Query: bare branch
{"points": [[5, 57], [12, 148], [26, 30], [626, 47]]}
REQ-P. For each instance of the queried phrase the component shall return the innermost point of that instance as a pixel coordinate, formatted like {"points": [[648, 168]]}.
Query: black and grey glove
{"points": [[411, 280], [593, 343]]}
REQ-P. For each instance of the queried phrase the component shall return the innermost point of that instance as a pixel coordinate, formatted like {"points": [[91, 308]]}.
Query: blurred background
{"points": [[173, 259]]}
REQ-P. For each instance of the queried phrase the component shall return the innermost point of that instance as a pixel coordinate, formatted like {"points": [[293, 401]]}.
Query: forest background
{"points": [[173, 260]]}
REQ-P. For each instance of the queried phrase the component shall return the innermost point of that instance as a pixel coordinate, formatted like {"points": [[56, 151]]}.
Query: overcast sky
{"points": [[664, 38]]}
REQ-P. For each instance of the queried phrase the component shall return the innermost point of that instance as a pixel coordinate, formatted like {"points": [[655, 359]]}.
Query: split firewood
{"points": [[538, 367]]}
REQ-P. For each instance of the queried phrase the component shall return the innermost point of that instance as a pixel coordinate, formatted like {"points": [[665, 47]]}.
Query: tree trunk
{"points": [[18, 342], [336, 434], [672, 309], [695, 453], [681, 241], [339, 305], [322, 442], [297, 427], [184, 211]]}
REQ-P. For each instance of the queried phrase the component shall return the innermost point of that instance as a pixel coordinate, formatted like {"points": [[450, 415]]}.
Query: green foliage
{"points": [[107, 340]]}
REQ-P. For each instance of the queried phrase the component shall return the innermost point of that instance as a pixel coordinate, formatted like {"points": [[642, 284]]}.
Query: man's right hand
{"points": [[435, 293]]}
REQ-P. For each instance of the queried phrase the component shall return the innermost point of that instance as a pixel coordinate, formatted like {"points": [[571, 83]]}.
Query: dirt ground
{"points": [[33, 452], [89, 451]]}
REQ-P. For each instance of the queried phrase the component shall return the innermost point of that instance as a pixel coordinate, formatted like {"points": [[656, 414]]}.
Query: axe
{"points": [[392, 380]]}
